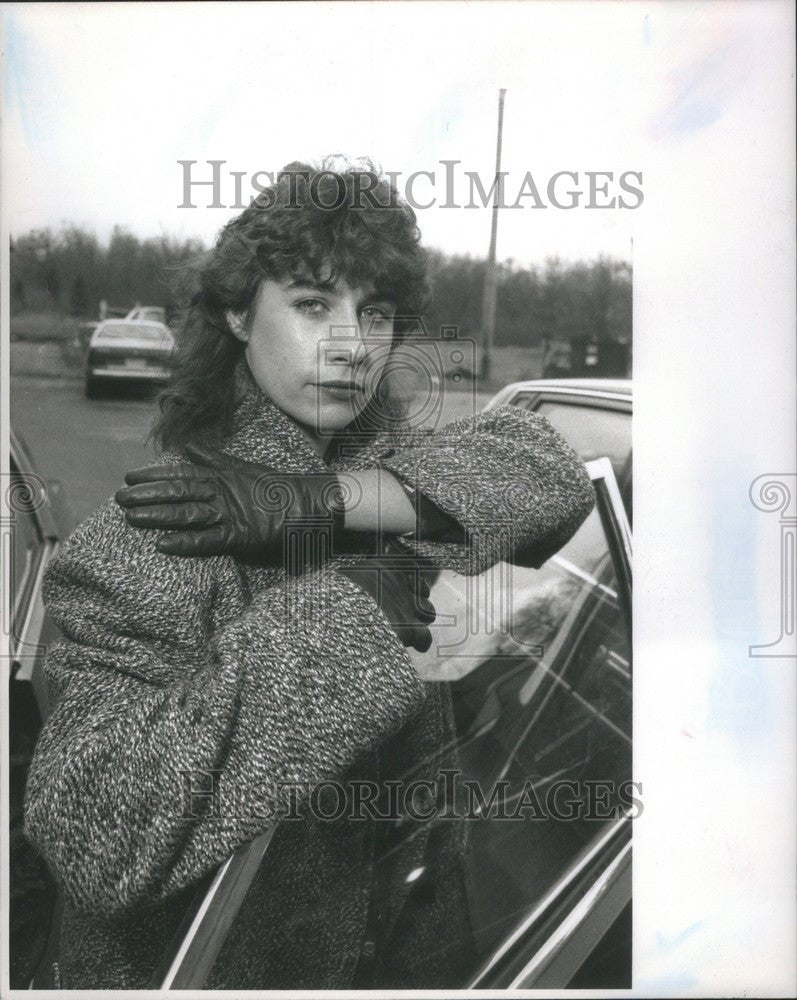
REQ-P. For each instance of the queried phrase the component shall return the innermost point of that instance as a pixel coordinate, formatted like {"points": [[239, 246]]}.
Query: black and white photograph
{"points": [[343, 346]]}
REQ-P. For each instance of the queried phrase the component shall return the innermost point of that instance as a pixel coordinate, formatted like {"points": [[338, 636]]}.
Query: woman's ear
{"points": [[237, 325]]}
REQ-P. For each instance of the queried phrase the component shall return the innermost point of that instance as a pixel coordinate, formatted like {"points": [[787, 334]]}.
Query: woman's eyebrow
{"points": [[312, 285], [367, 296], [380, 296]]}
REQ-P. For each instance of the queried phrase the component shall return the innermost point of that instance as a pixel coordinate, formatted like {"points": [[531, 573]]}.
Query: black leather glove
{"points": [[401, 591], [221, 504]]}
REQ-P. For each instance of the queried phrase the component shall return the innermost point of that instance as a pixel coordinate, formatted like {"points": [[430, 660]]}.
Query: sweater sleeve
{"points": [[156, 704], [505, 475]]}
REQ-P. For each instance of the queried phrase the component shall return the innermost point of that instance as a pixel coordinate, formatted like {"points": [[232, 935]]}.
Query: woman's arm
{"points": [[505, 476], [380, 503], [216, 504], [155, 700], [499, 485]]}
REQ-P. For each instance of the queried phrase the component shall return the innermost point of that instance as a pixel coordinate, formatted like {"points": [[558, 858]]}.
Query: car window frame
{"points": [[543, 391], [25, 632], [204, 928], [19, 591], [617, 530], [548, 947], [588, 398], [28, 634]]}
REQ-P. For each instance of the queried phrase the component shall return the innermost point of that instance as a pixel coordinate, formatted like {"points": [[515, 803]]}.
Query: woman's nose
{"points": [[349, 334], [345, 347], [340, 351], [351, 352], [345, 317]]}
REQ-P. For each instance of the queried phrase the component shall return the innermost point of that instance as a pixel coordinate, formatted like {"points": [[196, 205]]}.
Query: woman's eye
{"points": [[313, 307], [375, 314]]}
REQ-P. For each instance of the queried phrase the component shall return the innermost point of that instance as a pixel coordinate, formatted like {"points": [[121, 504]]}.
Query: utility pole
{"points": [[489, 299]]}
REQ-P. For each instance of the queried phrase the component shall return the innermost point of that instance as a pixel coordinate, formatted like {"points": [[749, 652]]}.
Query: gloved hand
{"points": [[401, 592], [221, 504]]}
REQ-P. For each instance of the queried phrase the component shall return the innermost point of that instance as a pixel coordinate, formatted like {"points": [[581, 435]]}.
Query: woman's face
{"points": [[317, 349]]}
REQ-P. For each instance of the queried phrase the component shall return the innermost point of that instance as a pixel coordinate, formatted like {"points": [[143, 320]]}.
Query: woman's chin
{"points": [[332, 415], [326, 422]]}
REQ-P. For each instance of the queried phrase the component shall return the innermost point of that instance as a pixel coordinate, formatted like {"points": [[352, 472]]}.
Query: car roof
{"points": [[132, 322], [135, 327], [610, 390], [598, 385]]}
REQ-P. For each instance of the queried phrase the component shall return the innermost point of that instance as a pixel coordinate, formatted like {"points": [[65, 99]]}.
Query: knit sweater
{"points": [[173, 666]]}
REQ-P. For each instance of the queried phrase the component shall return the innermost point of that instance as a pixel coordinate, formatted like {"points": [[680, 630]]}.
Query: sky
{"points": [[101, 101]]}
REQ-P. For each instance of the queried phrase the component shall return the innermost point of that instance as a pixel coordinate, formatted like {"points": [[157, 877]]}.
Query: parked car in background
{"points": [[155, 314], [538, 666], [128, 350], [84, 334], [36, 518], [580, 356]]}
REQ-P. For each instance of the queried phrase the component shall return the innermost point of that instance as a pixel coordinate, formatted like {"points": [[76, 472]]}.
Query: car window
{"points": [[541, 710], [592, 430]]}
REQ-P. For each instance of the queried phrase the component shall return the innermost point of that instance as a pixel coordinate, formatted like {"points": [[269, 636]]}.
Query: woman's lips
{"points": [[339, 390]]}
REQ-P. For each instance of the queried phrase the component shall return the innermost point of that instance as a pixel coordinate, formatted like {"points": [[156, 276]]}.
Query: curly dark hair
{"points": [[330, 224]]}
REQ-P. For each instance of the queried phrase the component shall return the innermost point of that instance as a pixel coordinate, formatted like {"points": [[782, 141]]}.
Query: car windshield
{"points": [[135, 331]]}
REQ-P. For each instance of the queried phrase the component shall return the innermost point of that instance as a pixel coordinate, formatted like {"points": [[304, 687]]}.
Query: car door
{"points": [[30, 537], [562, 881], [537, 666]]}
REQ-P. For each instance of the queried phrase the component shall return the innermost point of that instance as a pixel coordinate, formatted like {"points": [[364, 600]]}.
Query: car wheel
{"points": [[92, 387]]}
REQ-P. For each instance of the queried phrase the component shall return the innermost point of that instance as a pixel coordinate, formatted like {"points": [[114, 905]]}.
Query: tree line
{"points": [[69, 272]]}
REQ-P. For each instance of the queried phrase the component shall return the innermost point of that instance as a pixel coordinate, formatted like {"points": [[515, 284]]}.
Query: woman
{"points": [[232, 631]]}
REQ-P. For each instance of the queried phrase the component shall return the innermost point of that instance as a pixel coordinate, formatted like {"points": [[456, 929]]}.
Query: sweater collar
{"points": [[263, 433]]}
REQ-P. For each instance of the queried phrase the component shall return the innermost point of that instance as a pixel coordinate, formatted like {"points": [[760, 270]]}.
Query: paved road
{"points": [[90, 444], [87, 444]]}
